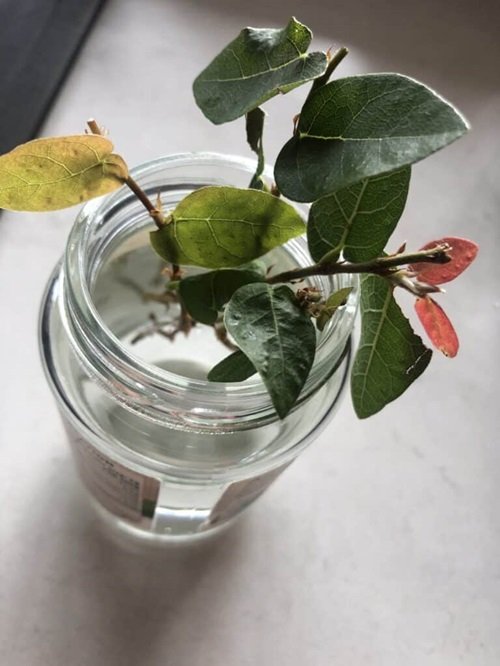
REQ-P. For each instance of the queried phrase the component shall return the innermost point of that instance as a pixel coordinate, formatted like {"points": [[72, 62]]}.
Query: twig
{"points": [[154, 212], [333, 63], [379, 266]]}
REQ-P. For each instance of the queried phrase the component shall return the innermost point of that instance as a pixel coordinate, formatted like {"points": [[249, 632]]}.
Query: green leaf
{"points": [[204, 295], [359, 219], [361, 126], [223, 227], [332, 304], [257, 65], [276, 335], [256, 266], [390, 355], [234, 368], [48, 174], [333, 62], [255, 128]]}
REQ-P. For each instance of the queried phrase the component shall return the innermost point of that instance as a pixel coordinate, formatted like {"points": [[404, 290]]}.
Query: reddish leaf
{"points": [[462, 253], [437, 326]]}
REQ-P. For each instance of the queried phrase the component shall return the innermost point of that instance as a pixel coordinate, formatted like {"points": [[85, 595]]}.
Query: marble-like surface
{"points": [[381, 545]]}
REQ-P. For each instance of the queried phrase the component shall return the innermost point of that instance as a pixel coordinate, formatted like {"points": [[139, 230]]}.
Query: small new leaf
{"points": [[437, 326], [255, 129], [204, 295], [276, 335], [358, 220], [332, 304], [223, 227], [361, 126], [462, 252], [49, 174], [390, 355], [234, 368], [257, 65]]}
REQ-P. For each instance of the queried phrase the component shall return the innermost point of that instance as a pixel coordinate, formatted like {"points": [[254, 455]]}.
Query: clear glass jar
{"points": [[164, 453]]}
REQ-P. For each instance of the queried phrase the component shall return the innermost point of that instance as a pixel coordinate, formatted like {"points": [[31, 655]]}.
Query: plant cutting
{"points": [[342, 179]]}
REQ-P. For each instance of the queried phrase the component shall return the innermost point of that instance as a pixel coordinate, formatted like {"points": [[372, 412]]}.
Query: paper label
{"points": [[240, 494], [120, 490]]}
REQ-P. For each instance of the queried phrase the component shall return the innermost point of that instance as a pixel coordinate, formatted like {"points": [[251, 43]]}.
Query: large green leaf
{"points": [[257, 65], [358, 219], [390, 355], [234, 368], [361, 126], [223, 227], [205, 294], [276, 335], [48, 174]]}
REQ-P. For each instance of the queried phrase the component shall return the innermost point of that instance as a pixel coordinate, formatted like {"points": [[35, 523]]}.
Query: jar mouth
{"points": [[145, 386]]}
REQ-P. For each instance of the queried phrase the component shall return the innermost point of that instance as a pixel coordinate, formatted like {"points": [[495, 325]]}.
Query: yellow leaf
{"points": [[48, 174]]}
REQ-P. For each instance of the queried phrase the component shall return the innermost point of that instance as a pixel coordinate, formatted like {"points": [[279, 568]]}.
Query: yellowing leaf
{"points": [[48, 174], [223, 227]]}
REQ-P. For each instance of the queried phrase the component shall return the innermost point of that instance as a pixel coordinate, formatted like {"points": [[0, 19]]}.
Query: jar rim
{"points": [[130, 367]]}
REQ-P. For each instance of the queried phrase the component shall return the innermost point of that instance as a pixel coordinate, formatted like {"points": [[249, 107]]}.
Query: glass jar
{"points": [[164, 453]]}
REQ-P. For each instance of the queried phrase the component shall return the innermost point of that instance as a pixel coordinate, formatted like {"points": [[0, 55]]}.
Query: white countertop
{"points": [[380, 546]]}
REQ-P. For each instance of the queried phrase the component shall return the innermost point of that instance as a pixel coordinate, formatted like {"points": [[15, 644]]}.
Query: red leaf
{"points": [[462, 253], [437, 326]]}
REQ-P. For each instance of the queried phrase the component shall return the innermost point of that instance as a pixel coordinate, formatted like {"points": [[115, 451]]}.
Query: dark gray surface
{"points": [[39, 40]]}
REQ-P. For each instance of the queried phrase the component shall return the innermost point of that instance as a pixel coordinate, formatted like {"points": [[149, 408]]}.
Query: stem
{"points": [[146, 202], [418, 289], [94, 127], [221, 335], [334, 62], [155, 213], [380, 265], [254, 120]]}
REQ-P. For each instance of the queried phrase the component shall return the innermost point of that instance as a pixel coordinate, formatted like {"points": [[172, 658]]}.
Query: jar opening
{"points": [[111, 233]]}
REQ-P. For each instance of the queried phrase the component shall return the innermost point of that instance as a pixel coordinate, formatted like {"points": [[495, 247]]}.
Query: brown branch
{"points": [[378, 266], [154, 212]]}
